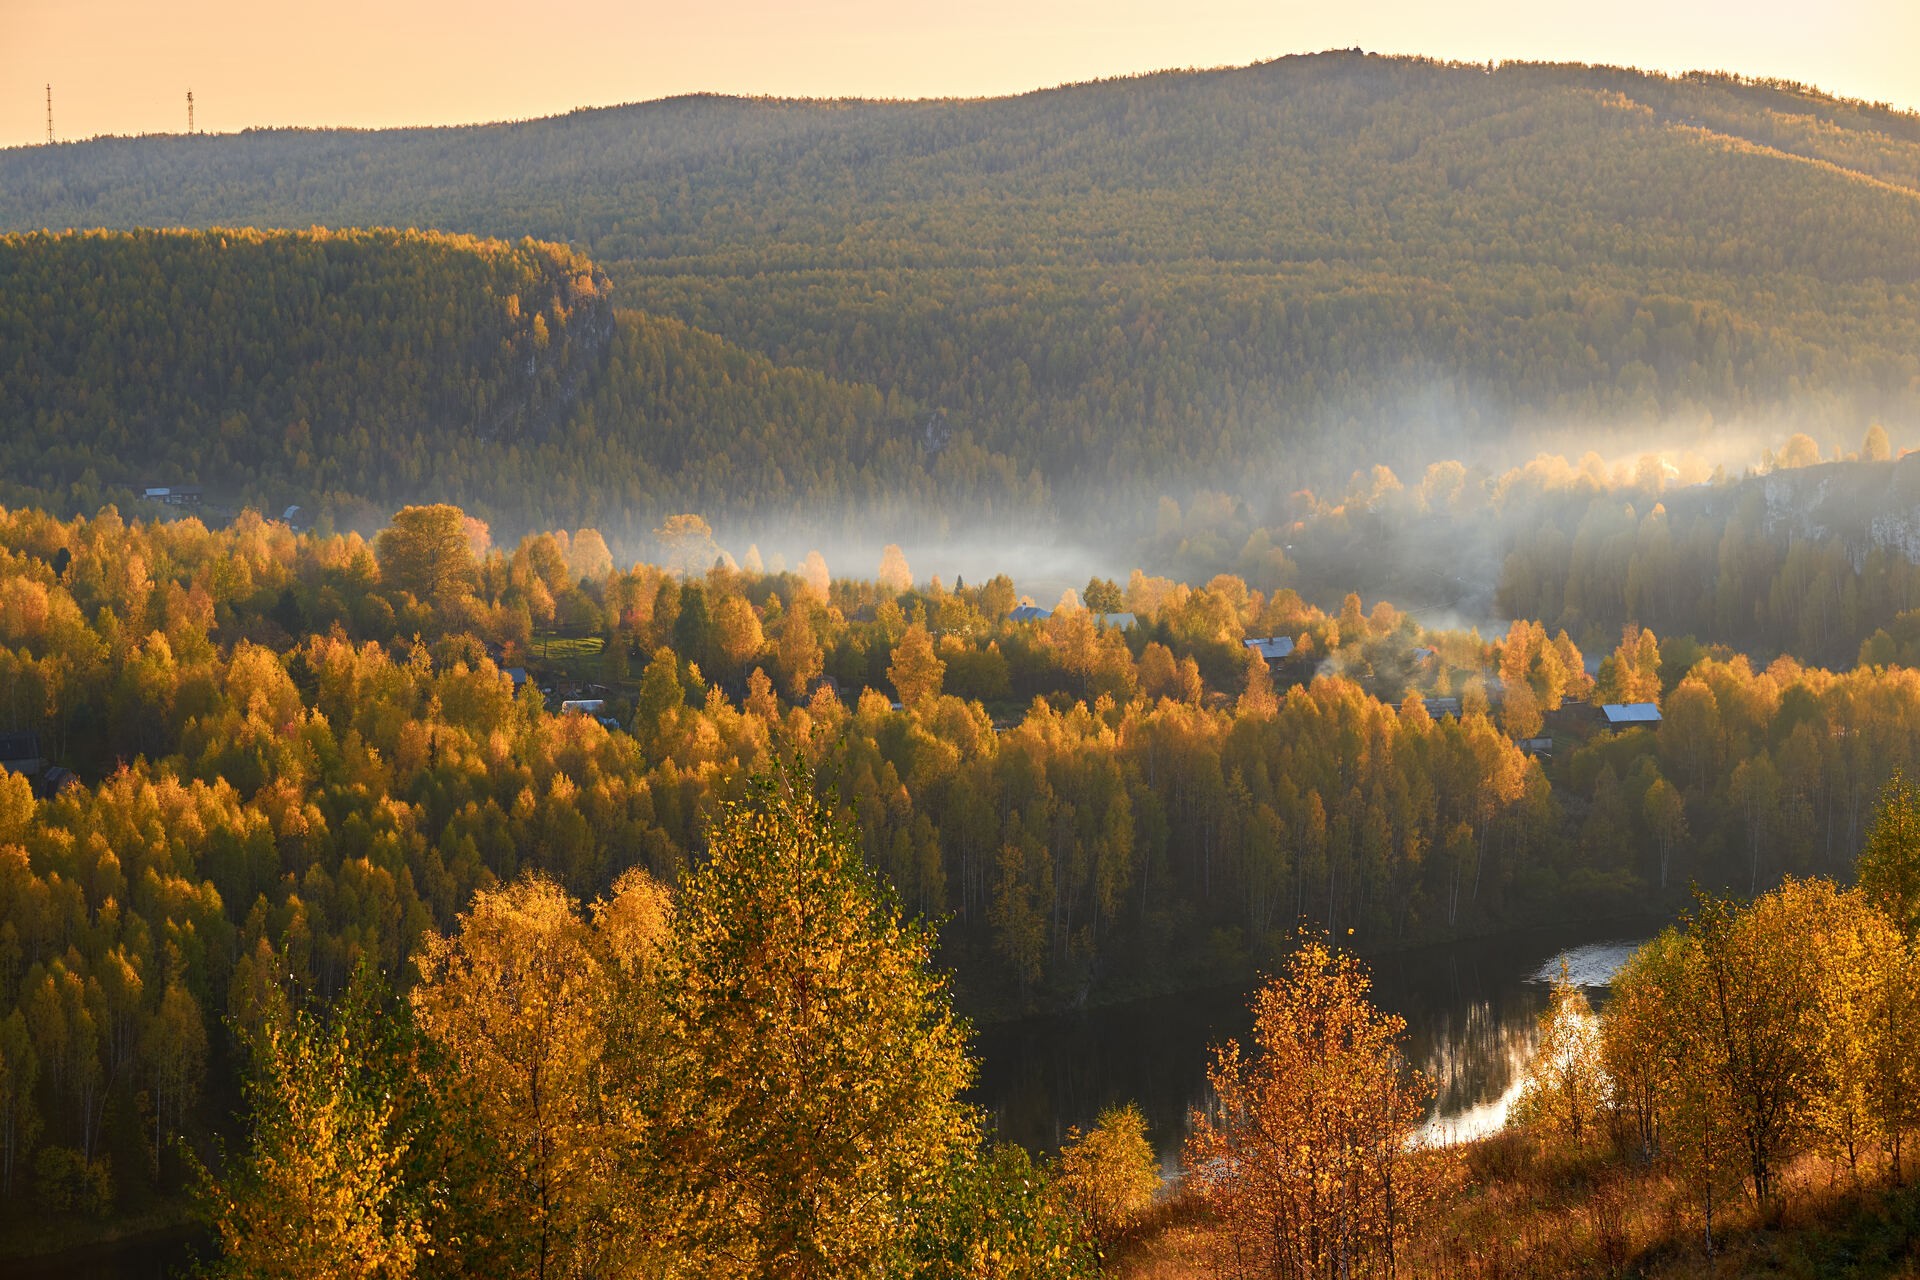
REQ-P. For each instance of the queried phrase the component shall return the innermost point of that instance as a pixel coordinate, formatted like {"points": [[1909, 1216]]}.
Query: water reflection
{"points": [[1471, 1011]]}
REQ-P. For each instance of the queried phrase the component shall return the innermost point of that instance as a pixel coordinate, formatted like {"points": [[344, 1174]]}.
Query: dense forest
{"points": [[349, 372], [1142, 284], [412, 875], [298, 755], [1800, 555]]}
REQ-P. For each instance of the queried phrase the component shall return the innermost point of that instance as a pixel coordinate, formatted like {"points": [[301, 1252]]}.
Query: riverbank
{"points": [[1470, 1006], [148, 1245], [1001, 1011], [1515, 1215], [1472, 1012]]}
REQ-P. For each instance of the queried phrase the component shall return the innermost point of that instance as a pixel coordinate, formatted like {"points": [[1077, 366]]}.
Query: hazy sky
{"points": [[124, 66]]}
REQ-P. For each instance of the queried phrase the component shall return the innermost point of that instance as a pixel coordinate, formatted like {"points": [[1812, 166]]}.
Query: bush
{"points": [[1109, 1175], [999, 1218], [66, 1182]]}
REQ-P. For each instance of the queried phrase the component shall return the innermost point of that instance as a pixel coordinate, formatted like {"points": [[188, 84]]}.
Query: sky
{"points": [[125, 66]]}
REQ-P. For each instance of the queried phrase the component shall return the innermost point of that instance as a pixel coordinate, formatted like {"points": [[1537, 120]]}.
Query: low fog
{"points": [[1320, 520]]}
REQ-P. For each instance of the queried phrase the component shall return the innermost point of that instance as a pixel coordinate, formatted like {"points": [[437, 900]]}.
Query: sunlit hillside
{"points": [[349, 373], [1183, 275]]}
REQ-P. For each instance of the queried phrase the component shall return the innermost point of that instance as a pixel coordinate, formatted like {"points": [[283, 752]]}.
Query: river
{"points": [[1471, 1011]]}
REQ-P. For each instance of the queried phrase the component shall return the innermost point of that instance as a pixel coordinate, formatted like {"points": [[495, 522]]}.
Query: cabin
{"points": [[1542, 747], [1275, 649], [1030, 613], [176, 495], [1442, 708], [517, 676], [20, 753], [595, 707], [1628, 715], [55, 781]]}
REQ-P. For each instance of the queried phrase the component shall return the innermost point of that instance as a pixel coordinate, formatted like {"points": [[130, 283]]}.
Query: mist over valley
{"points": [[749, 688]]}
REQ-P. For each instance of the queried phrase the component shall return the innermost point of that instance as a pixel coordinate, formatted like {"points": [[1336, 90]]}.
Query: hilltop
{"points": [[352, 372], [1190, 278]]}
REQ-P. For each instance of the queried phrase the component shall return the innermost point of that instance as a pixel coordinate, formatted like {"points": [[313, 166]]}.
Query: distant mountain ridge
{"points": [[1130, 286]]}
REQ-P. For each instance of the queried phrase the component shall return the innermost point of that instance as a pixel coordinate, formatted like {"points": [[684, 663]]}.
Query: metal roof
{"points": [[1272, 648], [1631, 713]]}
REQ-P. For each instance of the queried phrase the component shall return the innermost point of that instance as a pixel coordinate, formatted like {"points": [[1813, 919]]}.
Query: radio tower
{"points": [[49, 115], [189, 111]]}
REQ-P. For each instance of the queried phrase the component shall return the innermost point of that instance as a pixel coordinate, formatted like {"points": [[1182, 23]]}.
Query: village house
{"points": [[1628, 715], [1275, 649], [178, 495]]}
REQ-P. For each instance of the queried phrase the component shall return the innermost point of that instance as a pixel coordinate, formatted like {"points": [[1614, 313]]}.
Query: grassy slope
{"points": [[1522, 1218]]}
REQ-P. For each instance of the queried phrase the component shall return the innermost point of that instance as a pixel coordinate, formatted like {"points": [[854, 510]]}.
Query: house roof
{"points": [[1030, 613], [1631, 713], [1272, 648], [585, 706]]}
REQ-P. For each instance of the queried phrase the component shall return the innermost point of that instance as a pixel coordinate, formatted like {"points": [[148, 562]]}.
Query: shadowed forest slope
{"points": [[352, 372]]}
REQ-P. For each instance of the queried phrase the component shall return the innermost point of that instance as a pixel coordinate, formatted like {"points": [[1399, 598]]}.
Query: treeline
{"points": [[1152, 282], [758, 1075], [348, 372], [1757, 1053], [1797, 555], [1815, 562], [1746, 1101], [318, 361], [301, 755]]}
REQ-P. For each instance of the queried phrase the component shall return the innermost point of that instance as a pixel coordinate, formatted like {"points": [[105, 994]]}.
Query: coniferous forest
{"points": [[435, 840]]}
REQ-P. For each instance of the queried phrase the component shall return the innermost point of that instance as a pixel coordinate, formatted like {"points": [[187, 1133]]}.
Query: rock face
{"points": [[1867, 506]]}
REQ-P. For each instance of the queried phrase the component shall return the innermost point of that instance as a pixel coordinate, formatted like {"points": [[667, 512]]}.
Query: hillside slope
{"points": [[1191, 276], [352, 372]]}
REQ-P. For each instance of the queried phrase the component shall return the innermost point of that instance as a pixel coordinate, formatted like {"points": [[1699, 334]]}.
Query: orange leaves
{"points": [[1305, 1157]]}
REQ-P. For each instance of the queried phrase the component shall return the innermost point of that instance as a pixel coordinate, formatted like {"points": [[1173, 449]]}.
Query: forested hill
{"points": [[1141, 284], [353, 372]]}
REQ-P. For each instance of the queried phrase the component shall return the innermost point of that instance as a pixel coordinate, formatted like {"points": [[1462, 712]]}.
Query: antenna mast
{"points": [[49, 115], [189, 111]]}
